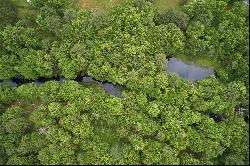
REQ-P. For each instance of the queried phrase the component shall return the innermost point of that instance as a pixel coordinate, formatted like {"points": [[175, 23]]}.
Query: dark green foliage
{"points": [[7, 94], [6, 66], [58, 5], [17, 37], [7, 13], [179, 18], [220, 30]]}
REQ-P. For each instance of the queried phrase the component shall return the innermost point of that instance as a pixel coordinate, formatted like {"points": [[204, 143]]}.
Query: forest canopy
{"points": [[161, 118]]}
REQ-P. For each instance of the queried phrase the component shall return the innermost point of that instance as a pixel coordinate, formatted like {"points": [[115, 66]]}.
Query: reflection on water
{"points": [[108, 87], [111, 89], [88, 79], [188, 71], [13, 84]]}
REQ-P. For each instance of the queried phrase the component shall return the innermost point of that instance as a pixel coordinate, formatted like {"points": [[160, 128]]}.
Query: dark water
{"points": [[108, 87], [217, 118], [188, 71], [13, 84], [112, 89]]}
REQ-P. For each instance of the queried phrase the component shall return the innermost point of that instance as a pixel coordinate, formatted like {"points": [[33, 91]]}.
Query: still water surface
{"points": [[190, 72]]}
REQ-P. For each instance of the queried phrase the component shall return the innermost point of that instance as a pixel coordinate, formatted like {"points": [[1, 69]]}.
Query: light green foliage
{"points": [[55, 109], [6, 66], [137, 142], [57, 154], [164, 154], [80, 126], [28, 91], [161, 62], [7, 94], [188, 159], [49, 92], [198, 43], [114, 106], [128, 155], [18, 37], [34, 63], [153, 109]]}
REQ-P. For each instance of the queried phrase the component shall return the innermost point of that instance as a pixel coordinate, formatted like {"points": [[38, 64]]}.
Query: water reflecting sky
{"points": [[108, 87], [188, 71]]}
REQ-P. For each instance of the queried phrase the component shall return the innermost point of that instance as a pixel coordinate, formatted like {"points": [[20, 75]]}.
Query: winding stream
{"points": [[189, 72], [108, 87]]}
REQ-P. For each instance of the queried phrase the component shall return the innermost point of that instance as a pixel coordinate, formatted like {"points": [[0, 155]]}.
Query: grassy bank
{"points": [[106, 4], [165, 4], [99, 4], [200, 61], [22, 7]]}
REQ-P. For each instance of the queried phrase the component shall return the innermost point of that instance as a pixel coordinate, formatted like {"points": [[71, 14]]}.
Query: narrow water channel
{"points": [[187, 71], [109, 88]]}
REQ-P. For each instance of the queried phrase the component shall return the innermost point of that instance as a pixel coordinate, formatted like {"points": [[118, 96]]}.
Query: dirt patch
{"points": [[99, 4]]}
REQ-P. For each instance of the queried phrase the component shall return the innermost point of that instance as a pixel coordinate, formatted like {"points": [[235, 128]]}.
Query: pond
{"points": [[190, 71]]}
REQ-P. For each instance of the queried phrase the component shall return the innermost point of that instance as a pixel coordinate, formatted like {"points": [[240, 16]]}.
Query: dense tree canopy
{"points": [[160, 118], [48, 125]]}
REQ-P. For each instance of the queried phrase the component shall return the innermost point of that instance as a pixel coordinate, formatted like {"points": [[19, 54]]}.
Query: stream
{"points": [[189, 72], [108, 87]]}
